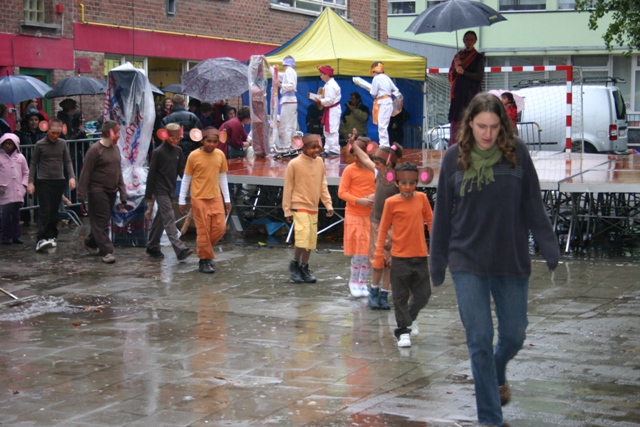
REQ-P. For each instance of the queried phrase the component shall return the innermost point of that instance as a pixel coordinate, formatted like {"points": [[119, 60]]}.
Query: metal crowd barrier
{"points": [[77, 150]]}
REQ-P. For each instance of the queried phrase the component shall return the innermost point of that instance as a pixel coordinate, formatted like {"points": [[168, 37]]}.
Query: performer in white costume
{"points": [[330, 101], [288, 84], [382, 87]]}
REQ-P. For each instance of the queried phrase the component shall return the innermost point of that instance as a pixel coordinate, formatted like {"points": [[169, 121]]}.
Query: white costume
{"points": [[331, 101], [382, 87], [288, 106]]}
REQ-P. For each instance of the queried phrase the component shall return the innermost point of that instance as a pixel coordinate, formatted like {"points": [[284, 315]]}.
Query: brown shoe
{"points": [[505, 394]]}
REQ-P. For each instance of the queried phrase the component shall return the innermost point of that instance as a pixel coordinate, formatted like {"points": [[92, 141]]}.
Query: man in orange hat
{"points": [[330, 101]]}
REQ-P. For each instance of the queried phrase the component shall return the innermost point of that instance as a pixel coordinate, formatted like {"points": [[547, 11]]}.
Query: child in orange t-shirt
{"points": [[357, 187], [406, 214], [205, 174]]}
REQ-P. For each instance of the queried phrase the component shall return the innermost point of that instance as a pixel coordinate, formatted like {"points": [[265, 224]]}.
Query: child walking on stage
{"points": [[167, 163], [206, 175], [383, 161], [305, 184], [406, 214], [357, 187]]}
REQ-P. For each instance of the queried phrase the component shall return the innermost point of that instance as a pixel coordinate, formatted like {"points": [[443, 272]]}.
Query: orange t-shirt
{"points": [[205, 169], [356, 183], [406, 217]]}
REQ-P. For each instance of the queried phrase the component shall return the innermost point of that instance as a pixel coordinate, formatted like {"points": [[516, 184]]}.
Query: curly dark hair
{"points": [[485, 102]]}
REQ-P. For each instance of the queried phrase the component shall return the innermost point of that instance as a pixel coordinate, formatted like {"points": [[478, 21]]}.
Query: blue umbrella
{"points": [[17, 88]]}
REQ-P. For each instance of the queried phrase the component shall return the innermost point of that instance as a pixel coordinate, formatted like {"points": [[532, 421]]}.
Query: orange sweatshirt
{"points": [[356, 183], [406, 217], [305, 184]]}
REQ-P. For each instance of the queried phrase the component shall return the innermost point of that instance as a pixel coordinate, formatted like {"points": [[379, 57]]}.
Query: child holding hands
{"points": [[406, 214], [357, 187]]}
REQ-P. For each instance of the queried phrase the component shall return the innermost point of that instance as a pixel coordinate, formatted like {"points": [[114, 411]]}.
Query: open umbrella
{"points": [[215, 79], [17, 88], [77, 85], [517, 98], [173, 88], [454, 15], [155, 90]]}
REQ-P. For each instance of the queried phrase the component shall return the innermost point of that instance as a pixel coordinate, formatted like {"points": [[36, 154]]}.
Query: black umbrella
{"points": [[77, 85], [454, 15], [155, 90], [174, 88]]}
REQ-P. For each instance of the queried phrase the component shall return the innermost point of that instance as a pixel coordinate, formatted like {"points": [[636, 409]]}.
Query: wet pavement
{"points": [[156, 343]]}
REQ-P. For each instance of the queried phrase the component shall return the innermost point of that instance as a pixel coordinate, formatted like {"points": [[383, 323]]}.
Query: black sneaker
{"points": [[18, 241], [294, 271], [184, 254], [155, 253], [205, 267], [306, 274]]}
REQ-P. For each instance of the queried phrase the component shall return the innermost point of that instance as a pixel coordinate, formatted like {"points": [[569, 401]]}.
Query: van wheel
{"points": [[576, 147], [588, 148]]}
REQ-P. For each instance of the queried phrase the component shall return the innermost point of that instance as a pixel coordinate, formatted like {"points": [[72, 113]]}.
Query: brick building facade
{"points": [[53, 39]]}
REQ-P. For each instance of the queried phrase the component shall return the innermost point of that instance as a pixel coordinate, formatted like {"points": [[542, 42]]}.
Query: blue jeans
{"points": [[489, 364]]}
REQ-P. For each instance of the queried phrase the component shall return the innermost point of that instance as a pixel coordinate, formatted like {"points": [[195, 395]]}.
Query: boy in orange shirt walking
{"points": [[305, 184], [406, 213], [206, 175]]}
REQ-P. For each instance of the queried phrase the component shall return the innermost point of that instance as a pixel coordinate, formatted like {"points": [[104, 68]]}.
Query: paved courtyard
{"points": [[148, 343]]}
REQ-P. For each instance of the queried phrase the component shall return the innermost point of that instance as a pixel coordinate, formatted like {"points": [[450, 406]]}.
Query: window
{"points": [[171, 7], [401, 7], [506, 5], [111, 62], [432, 3], [311, 7], [34, 10], [373, 19], [566, 4]]}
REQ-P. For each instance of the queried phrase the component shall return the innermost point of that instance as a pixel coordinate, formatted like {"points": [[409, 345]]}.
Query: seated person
{"points": [[355, 115]]}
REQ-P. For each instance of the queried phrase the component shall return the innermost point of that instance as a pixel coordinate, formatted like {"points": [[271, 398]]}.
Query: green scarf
{"points": [[481, 169]]}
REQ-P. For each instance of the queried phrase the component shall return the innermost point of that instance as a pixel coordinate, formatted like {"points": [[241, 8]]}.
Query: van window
{"points": [[621, 110]]}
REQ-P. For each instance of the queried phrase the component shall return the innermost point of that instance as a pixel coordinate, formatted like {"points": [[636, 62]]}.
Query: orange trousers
{"points": [[209, 216]]}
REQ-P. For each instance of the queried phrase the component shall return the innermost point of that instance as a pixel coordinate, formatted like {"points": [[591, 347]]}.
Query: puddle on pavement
{"points": [[45, 305]]}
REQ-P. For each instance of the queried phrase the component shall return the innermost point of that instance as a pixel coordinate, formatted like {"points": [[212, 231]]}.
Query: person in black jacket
{"points": [[187, 120]]}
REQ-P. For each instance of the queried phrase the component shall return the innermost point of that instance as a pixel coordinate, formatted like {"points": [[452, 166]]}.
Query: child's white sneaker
{"points": [[414, 330], [364, 291], [404, 341], [355, 290]]}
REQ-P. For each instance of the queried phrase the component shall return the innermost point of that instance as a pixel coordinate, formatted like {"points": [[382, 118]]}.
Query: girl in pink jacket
{"points": [[14, 177]]}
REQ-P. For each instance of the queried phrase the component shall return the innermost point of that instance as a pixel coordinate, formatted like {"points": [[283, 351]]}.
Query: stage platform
{"points": [[587, 195]]}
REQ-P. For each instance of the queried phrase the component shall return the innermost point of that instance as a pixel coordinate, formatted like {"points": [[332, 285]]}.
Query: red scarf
{"points": [[466, 57], [325, 117]]}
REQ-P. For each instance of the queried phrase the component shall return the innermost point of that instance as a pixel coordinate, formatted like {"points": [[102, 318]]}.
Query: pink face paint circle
{"points": [[390, 176], [195, 134], [162, 134]]}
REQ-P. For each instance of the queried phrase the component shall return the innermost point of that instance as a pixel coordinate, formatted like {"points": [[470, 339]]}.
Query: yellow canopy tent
{"points": [[330, 40]]}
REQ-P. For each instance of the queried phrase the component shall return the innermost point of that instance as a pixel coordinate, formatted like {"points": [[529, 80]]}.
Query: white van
{"points": [[599, 117]]}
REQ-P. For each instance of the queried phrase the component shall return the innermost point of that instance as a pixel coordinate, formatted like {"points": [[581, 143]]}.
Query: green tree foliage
{"points": [[624, 29]]}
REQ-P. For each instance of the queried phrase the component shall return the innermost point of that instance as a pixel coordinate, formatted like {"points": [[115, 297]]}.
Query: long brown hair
{"points": [[485, 102]]}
